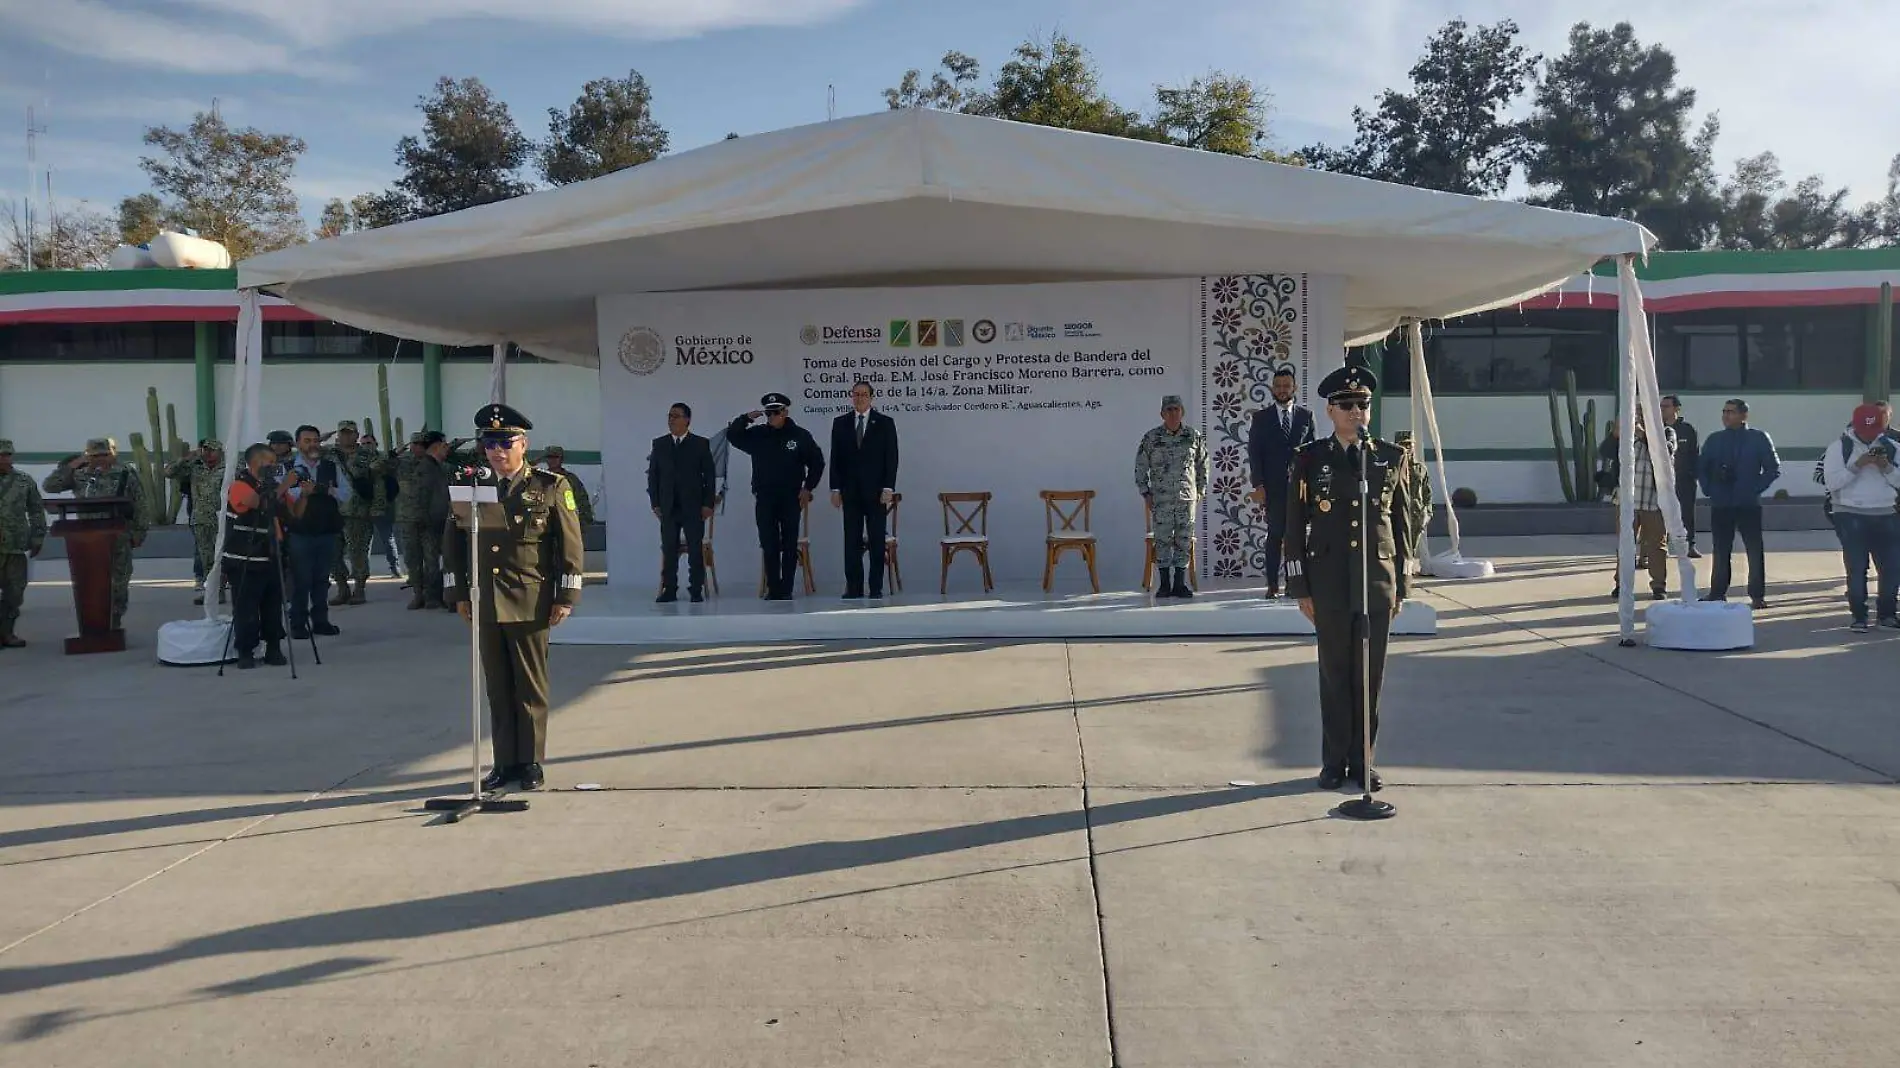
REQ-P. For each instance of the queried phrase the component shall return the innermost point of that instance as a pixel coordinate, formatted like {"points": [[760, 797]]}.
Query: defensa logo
{"points": [[699, 350], [642, 351], [900, 333], [841, 335]]}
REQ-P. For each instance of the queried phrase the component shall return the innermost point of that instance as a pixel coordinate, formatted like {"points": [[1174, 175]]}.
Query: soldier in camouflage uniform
{"points": [[98, 473], [554, 459], [422, 511], [22, 533], [1418, 496], [204, 472], [362, 464], [1171, 473]]}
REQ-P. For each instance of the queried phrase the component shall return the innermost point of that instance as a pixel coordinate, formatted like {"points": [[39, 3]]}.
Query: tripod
{"points": [[1365, 807], [283, 603]]}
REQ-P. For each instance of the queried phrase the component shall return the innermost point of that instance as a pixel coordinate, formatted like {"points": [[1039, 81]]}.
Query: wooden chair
{"points": [[966, 528], [1148, 567], [804, 551], [890, 543], [706, 550], [1066, 526]]}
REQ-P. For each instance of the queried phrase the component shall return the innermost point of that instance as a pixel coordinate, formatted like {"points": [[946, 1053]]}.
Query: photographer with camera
{"points": [[316, 491], [1738, 464], [1862, 473]]}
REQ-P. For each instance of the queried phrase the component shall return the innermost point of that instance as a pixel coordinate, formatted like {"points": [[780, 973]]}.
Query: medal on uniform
{"points": [[1325, 506]]}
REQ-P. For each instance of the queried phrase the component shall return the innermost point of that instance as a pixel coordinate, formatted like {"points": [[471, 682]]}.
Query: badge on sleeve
{"points": [[567, 494]]}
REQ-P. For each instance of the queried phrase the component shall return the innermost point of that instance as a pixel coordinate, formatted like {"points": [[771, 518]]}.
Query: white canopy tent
{"points": [[924, 197]]}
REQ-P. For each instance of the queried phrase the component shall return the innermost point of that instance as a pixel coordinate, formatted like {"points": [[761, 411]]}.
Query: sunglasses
{"points": [[1352, 405], [499, 441]]}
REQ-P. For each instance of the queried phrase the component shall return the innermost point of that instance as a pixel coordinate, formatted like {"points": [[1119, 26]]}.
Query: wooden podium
{"points": [[89, 559]]}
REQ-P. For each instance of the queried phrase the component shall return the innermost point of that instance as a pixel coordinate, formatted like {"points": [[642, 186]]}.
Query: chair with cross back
{"points": [[1066, 526], [966, 528]]}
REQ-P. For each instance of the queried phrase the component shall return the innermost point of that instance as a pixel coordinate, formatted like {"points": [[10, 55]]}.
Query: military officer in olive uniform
{"points": [[530, 573], [1326, 538]]}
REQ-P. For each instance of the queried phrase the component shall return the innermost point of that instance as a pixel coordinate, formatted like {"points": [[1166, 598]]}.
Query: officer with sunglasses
{"points": [[1338, 559], [530, 569]]}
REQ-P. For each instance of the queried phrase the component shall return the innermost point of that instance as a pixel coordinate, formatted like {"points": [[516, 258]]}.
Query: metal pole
{"points": [[1364, 807], [475, 648]]}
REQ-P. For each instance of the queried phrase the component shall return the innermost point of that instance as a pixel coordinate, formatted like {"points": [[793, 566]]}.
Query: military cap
{"points": [[775, 400], [101, 446], [501, 419], [1348, 381], [432, 437], [211, 443], [6, 446], [554, 450], [280, 437], [420, 437], [346, 424], [1172, 400]]}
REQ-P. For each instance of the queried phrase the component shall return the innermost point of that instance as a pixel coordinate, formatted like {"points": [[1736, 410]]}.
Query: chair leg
{"points": [[1088, 556], [712, 572], [804, 562], [897, 574], [983, 555], [1148, 568], [1048, 567], [943, 584]]}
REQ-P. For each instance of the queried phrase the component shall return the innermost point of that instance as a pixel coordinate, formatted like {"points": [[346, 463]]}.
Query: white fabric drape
{"points": [[1642, 365], [240, 422], [1422, 399], [498, 376]]}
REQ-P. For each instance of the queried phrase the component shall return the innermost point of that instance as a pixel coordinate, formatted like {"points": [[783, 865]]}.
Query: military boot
{"points": [[1181, 589], [415, 598], [342, 594], [357, 596], [274, 655]]}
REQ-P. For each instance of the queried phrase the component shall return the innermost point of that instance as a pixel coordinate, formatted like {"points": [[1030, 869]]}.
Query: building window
{"points": [[1833, 348], [96, 342], [1762, 349], [316, 339], [1515, 351]]}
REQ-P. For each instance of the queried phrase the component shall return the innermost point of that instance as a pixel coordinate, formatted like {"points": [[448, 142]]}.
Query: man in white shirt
{"points": [[1863, 479]]}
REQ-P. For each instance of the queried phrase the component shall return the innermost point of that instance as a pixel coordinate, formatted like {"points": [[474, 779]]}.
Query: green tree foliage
{"points": [[470, 152], [63, 238], [1610, 135], [141, 216], [1448, 132], [227, 185], [336, 219], [1218, 112], [610, 127]]}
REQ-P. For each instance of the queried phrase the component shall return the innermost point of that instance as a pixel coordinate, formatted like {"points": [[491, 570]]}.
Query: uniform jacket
{"points": [[202, 483], [784, 460], [1172, 466], [1736, 467], [422, 494], [1324, 529], [363, 466], [583, 504], [681, 475], [1270, 449], [531, 557], [863, 471], [118, 480], [22, 514]]}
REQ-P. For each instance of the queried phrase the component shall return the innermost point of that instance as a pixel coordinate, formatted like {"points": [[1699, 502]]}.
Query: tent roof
{"points": [[928, 198]]}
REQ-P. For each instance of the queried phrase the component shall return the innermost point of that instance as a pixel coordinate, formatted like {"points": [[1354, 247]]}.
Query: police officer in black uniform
{"points": [[1327, 539], [530, 569], [786, 467]]}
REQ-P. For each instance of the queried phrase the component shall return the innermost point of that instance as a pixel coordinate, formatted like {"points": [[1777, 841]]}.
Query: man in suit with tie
{"points": [[681, 485], [1279, 430], [863, 476]]}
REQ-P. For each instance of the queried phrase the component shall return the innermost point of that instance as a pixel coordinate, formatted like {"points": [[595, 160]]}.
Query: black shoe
{"points": [[1758, 604], [300, 633], [1181, 587], [1859, 626], [1891, 623], [1273, 593], [326, 630], [667, 597], [246, 661], [876, 595], [1377, 782], [1693, 555], [698, 597], [854, 595], [780, 597], [1331, 778], [1658, 593], [532, 778], [274, 656], [501, 776]]}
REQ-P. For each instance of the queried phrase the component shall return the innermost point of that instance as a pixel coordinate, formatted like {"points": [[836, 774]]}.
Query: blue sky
{"points": [[1811, 79]]}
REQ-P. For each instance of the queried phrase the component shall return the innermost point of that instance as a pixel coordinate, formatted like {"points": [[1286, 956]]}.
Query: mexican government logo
{"points": [[642, 351], [984, 331], [809, 335]]}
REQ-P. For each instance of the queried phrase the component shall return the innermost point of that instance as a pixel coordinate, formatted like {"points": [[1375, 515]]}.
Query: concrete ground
{"points": [[968, 853]]}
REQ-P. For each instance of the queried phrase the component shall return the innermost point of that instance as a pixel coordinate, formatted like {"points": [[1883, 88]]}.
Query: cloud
{"points": [[289, 36]]}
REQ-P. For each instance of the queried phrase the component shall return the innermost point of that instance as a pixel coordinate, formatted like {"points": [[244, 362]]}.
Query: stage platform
{"points": [[621, 615]]}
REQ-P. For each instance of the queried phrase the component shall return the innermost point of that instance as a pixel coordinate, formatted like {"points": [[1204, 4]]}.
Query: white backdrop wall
{"points": [[321, 393], [55, 407], [1022, 388]]}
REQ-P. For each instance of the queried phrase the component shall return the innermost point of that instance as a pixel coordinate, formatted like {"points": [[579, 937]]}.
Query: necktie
{"points": [[1352, 458], [860, 431], [1286, 421]]}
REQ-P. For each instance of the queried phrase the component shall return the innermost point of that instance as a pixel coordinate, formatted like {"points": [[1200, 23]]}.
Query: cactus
{"points": [[152, 477], [175, 450], [401, 438], [1576, 457], [382, 403]]}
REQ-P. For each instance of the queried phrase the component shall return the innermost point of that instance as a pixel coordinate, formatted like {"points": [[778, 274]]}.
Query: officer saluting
{"points": [[1326, 537], [786, 467], [530, 571]]}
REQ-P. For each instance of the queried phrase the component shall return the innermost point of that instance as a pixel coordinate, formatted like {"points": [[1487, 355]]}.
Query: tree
{"points": [[64, 239], [1610, 136], [469, 154], [1448, 132], [372, 210], [610, 127], [336, 219], [232, 186], [1878, 221], [141, 217], [949, 88], [1052, 84], [1223, 113], [1758, 213]]}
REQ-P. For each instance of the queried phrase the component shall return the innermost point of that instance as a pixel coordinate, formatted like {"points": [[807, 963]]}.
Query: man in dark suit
{"points": [[681, 485], [1279, 430], [863, 476]]}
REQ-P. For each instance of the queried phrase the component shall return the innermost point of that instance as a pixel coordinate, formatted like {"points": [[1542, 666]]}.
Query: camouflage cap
{"points": [[6, 446], [280, 437], [420, 437], [346, 424], [101, 446], [554, 450], [1172, 400], [213, 444]]}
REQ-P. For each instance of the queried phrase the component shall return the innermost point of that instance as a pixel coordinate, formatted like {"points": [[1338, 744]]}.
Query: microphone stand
{"points": [[1365, 807]]}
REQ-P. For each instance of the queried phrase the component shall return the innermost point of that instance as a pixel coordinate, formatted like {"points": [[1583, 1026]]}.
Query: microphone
{"points": [[1363, 435]]}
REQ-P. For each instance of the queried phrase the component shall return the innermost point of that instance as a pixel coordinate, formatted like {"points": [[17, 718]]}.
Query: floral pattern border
{"points": [[1251, 326]]}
